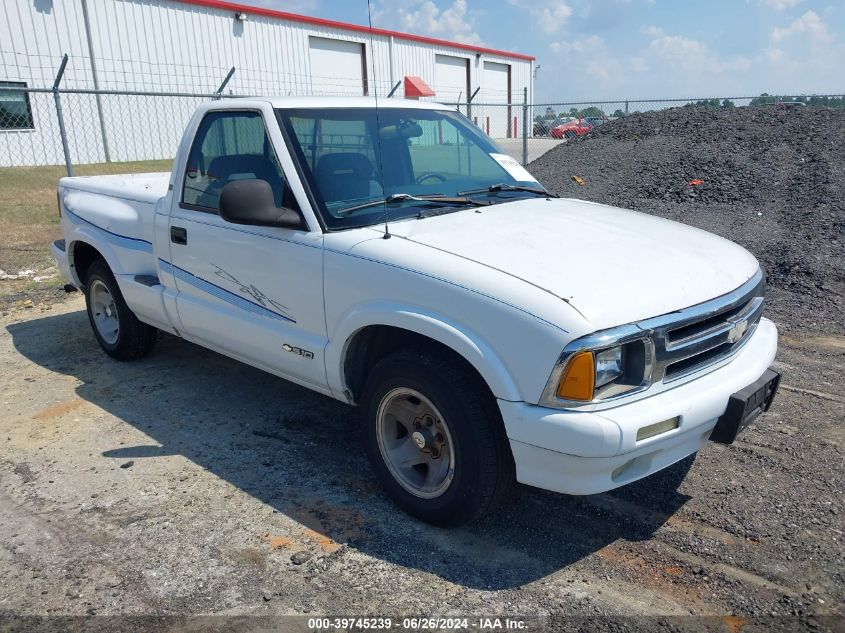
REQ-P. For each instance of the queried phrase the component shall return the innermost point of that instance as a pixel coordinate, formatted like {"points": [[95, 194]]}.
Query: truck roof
{"points": [[339, 102]]}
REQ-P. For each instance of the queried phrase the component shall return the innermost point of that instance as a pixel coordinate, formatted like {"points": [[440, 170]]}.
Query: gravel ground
{"points": [[773, 181], [188, 483]]}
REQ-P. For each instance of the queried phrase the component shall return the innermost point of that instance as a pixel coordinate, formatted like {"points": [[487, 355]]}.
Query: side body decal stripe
{"points": [[220, 293], [133, 243]]}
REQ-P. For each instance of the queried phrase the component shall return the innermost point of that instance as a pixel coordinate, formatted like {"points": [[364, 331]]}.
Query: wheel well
{"points": [[372, 343], [83, 255]]}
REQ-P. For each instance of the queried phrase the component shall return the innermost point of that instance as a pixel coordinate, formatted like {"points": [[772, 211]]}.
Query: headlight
{"points": [[592, 375], [608, 366]]}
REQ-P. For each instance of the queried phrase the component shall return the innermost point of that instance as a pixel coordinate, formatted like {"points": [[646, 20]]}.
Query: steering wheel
{"points": [[430, 175]]}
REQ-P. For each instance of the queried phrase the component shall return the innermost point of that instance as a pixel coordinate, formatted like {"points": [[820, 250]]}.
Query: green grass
{"points": [[29, 220]]}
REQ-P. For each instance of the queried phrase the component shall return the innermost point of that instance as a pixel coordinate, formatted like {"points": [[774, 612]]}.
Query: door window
{"points": [[231, 146]]}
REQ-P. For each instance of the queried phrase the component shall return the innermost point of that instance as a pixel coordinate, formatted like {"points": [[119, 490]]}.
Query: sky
{"points": [[632, 49]]}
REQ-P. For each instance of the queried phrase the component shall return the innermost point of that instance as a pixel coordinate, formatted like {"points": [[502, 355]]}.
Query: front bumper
{"points": [[577, 452]]}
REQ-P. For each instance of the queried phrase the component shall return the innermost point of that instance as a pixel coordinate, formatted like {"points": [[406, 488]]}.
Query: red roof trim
{"points": [[305, 19]]}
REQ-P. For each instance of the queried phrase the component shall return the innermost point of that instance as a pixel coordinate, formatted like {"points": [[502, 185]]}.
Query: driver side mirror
{"points": [[252, 202]]}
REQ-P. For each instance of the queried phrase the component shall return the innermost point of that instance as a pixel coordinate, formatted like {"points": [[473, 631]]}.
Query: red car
{"points": [[571, 129]]}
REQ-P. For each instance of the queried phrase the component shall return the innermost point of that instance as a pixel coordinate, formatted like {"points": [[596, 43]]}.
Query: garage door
{"points": [[496, 89], [337, 67], [451, 78]]}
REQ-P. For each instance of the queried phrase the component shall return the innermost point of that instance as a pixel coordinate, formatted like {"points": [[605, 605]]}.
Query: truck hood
{"points": [[614, 266]]}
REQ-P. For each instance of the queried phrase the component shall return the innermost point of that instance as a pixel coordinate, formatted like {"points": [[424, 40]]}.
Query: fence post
{"points": [[626, 108], [223, 85], [60, 115], [469, 102], [525, 126]]}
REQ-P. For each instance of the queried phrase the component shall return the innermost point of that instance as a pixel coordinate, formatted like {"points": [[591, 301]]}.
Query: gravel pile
{"points": [[771, 179]]}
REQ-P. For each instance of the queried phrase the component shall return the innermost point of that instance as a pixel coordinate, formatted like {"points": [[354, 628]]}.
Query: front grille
{"points": [[700, 328], [691, 339], [674, 345], [687, 365]]}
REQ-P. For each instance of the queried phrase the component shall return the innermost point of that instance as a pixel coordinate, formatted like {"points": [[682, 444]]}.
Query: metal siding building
{"points": [[188, 46]]}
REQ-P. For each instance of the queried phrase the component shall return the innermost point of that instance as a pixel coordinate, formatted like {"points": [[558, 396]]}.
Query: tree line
{"points": [[812, 100], [764, 99]]}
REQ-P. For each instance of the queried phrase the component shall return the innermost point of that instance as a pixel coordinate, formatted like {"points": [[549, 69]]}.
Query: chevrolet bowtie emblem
{"points": [[736, 332]]}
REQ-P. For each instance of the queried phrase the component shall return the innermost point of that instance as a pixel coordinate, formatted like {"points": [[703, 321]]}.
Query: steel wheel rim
{"points": [[415, 443], [104, 312]]}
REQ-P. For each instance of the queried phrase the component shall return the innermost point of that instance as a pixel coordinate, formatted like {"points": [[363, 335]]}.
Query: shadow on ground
{"points": [[302, 454]]}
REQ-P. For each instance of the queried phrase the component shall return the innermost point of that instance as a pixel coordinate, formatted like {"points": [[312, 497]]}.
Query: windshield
{"points": [[409, 157]]}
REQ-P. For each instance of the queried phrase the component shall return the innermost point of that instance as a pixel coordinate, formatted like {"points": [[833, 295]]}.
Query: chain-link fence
{"points": [[99, 127], [527, 130], [57, 113], [83, 125], [54, 126]]}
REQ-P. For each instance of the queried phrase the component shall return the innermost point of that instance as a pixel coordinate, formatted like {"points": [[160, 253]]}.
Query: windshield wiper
{"points": [[503, 186], [439, 199]]}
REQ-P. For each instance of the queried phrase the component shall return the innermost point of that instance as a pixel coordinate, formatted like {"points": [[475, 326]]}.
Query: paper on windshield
{"points": [[511, 166]]}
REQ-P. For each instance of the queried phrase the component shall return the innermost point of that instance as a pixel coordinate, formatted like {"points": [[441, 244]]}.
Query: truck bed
{"points": [[116, 215], [122, 205], [138, 187]]}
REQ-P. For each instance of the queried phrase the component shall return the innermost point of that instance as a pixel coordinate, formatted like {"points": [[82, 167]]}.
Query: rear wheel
{"points": [[569, 135], [117, 329], [435, 438]]}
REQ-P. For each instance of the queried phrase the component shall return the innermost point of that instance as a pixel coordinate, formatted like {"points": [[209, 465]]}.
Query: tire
{"points": [[468, 432], [569, 135], [118, 331]]}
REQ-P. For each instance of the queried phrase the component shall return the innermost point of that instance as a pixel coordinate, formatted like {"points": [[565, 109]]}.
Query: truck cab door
{"points": [[254, 293]]}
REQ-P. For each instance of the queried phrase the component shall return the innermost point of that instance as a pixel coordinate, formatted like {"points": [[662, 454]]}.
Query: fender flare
{"points": [[93, 226], [457, 337], [89, 236]]}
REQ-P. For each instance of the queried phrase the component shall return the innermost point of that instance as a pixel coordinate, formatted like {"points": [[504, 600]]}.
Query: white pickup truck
{"points": [[391, 256]]}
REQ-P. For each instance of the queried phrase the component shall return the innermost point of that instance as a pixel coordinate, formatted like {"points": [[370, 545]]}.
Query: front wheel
{"points": [[117, 329], [435, 438]]}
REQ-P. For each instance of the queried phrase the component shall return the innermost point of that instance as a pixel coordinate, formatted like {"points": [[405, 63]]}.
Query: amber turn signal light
{"points": [[579, 378]]}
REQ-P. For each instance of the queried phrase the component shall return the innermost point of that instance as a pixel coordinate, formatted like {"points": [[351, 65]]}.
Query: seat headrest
{"points": [[223, 167], [345, 163]]}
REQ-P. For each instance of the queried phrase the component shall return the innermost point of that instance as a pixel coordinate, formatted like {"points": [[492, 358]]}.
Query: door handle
{"points": [[178, 235]]}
